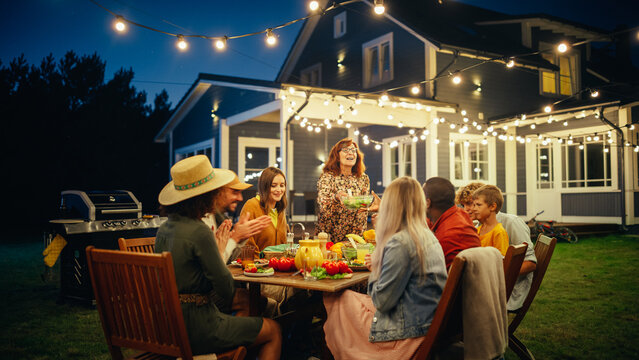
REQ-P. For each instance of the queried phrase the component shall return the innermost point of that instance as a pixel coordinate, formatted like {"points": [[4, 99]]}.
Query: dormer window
{"points": [[339, 25], [564, 82], [378, 61]]}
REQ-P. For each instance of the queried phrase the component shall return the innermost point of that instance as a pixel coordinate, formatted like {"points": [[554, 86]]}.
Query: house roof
{"points": [[201, 85]]}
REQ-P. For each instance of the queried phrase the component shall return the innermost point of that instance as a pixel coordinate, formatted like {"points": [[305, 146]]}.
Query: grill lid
{"points": [[100, 205]]}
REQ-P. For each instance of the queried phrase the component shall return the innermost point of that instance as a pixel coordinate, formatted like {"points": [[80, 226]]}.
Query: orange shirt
{"points": [[497, 238]]}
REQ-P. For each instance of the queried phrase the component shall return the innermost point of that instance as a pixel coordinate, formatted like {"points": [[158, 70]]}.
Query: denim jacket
{"points": [[405, 303]]}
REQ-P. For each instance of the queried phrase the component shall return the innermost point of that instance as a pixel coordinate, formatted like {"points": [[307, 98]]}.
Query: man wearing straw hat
{"points": [[205, 285], [226, 201]]}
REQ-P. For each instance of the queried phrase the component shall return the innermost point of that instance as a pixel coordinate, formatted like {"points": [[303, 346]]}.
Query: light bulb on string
{"points": [[356, 132], [348, 125], [181, 43], [451, 143], [313, 5], [442, 120], [474, 123], [400, 124], [366, 141], [465, 119], [478, 127], [560, 140], [528, 140], [533, 126], [517, 122], [384, 97], [423, 137], [220, 44], [510, 63], [452, 126], [566, 123], [425, 132], [119, 24], [415, 89], [297, 117], [317, 129], [485, 133], [390, 117], [463, 112], [562, 47], [411, 131], [494, 133], [594, 93], [605, 149], [610, 140], [378, 146], [490, 128], [418, 106], [353, 112], [328, 126], [457, 79], [550, 119], [326, 121], [340, 121], [581, 146], [588, 138], [394, 105], [379, 7], [415, 139], [596, 138], [309, 128], [548, 108], [631, 127], [436, 141], [358, 101], [271, 40], [637, 148]]}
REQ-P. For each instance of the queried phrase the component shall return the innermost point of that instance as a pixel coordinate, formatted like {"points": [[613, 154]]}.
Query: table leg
{"points": [[254, 299]]}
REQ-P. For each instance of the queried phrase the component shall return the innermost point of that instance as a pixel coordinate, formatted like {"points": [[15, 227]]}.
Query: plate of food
{"points": [[357, 265], [260, 272], [258, 263]]}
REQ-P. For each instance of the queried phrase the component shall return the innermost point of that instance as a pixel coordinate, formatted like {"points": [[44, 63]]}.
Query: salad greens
{"points": [[267, 270], [356, 202], [320, 273]]}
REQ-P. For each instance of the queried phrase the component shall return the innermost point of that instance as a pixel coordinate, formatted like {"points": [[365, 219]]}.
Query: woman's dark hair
{"points": [[332, 164], [194, 208], [264, 188]]}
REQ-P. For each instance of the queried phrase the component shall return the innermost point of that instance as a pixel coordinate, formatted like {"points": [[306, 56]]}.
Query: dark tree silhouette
{"points": [[66, 128]]}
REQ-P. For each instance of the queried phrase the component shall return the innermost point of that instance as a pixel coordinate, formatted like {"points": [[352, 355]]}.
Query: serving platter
{"points": [[259, 274]]}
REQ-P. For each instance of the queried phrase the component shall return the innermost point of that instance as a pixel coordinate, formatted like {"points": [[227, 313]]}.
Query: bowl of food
{"points": [[356, 202], [349, 252]]}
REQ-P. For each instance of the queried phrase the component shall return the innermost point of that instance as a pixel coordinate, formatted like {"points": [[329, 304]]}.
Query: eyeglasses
{"points": [[349, 150]]}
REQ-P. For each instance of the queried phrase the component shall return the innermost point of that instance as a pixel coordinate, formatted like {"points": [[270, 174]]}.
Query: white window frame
{"points": [[386, 159], [575, 79], [339, 25], [551, 166], [585, 180], [195, 149], [472, 138], [265, 143], [309, 72], [368, 80]]}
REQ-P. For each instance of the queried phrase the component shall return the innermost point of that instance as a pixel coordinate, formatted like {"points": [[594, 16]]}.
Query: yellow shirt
{"points": [[497, 238], [272, 213]]}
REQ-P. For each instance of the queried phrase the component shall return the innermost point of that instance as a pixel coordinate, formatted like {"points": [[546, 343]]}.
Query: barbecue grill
{"points": [[95, 218]]}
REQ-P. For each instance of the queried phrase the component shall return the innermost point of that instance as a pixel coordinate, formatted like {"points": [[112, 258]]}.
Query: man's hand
{"points": [[222, 235], [246, 228]]}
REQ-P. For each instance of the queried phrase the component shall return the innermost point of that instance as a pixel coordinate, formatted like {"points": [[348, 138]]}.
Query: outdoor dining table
{"points": [[296, 281]]}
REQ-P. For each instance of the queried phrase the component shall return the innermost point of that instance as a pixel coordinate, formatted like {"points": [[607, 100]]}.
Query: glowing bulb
{"points": [[394, 105], [436, 141], [313, 5], [632, 127], [378, 146], [418, 106], [411, 131], [581, 146], [484, 142], [119, 24], [291, 90], [390, 117], [565, 123], [548, 108], [379, 7], [428, 108], [328, 126], [220, 44], [588, 138], [532, 126], [451, 143], [354, 111], [181, 43], [596, 138], [400, 124], [606, 149], [326, 102], [414, 89], [594, 93], [358, 101], [309, 128], [452, 126], [442, 120], [457, 79], [326, 121], [340, 121], [384, 97], [510, 63], [415, 138], [297, 117], [271, 40], [317, 129], [562, 48], [463, 112], [356, 132]]}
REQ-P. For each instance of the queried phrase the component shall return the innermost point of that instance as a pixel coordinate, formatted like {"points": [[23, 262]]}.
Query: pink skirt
{"points": [[347, 328]]}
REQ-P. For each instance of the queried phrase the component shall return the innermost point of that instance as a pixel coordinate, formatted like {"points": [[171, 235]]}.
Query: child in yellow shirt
{"points": [[487, 201]]}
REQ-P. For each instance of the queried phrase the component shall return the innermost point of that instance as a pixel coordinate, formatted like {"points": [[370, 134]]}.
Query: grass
{"points": [[587, 307]]}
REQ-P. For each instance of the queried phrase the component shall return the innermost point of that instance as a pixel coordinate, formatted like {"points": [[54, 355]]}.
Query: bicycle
{"points": [[548, 228]]}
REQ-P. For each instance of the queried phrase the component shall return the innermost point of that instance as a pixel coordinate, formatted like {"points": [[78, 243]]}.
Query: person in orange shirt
{"points": [[270, 201], [487, 201]]}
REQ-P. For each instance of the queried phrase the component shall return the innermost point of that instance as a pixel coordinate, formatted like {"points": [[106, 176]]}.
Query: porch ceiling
{"points": [[325, 104]]}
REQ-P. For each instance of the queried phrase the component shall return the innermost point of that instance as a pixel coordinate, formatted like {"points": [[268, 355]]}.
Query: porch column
{"points": [[511, 173], [284, 135], [224, 144], [431, 148], [625, 117]]}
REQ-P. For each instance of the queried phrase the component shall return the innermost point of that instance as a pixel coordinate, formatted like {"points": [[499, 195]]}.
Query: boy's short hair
{"points": [[465, 193], [491, 194]]}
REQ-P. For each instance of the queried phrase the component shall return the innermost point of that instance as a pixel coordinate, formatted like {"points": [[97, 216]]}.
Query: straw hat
{"points": [[236, 184], [193, 176]]}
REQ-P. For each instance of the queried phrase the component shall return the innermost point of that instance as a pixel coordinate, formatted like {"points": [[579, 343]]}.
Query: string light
{"points": [[510, 63], [378, 146], [271, 40], [313, 5], [562, 47], [594, 93], [457, 79], [436, 141], [533, 126], [220, 44], [379, 7], [181, 43], [119, 24], [548, 108], [384, 97], [415, 89]]}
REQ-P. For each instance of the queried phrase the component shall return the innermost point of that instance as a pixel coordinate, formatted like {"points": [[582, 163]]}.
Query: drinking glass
{"points": [[247, 254], [362, 251]]}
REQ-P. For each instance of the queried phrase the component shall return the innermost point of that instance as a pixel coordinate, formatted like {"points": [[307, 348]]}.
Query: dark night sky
{"points": [[39, 27]]}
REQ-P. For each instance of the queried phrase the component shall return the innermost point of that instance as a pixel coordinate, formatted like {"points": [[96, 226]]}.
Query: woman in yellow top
{"points": [[271, 201]]}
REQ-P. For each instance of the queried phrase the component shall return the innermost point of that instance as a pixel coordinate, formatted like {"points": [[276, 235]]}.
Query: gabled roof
{"points": [[201, 86], [553, 23]]}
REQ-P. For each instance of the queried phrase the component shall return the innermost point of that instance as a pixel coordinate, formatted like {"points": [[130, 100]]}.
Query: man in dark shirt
{"points": [[452, 225]]}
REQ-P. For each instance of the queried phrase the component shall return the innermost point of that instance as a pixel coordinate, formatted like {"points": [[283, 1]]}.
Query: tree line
{"points": [[65, 128]]}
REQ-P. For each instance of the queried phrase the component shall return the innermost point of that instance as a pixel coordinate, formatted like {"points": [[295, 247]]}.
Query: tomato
{"points": [[349, 270], [274, 263], [332, 268], [252, 269], [325, 263], [329, 245], [343, 266], [284, 264], [291, 262]]}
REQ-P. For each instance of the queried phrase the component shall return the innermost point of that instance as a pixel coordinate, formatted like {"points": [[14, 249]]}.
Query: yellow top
{"points": [[274, 234], [497, 238], [272, 213]]}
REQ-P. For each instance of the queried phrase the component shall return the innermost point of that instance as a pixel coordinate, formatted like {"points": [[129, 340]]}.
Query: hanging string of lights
{"points": [[220, 42]]}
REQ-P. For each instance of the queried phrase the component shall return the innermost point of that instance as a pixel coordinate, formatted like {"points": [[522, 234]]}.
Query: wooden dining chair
{"points": [[544, 247], [143, 245], [138, 303], [434, 338], [512, 265]]}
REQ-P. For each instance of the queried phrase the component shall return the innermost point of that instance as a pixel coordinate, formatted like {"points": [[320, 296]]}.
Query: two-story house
{"points": [[390, 82]]}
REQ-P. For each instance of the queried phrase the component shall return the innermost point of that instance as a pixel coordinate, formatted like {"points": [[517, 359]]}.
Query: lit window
{"points": [[256, 154], [399, 160], [585, 167], [564, 81], [339, 25], [471, 160], [544, 167], [378, 60]]}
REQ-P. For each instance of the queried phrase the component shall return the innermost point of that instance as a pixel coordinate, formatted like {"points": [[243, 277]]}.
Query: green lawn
{"points": [[587, 307]]}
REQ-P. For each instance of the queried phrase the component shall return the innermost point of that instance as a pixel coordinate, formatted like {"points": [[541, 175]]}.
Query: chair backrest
{"points": [[512, 265], [544, 247], [137, 300], [144, 245], [444, 310]]}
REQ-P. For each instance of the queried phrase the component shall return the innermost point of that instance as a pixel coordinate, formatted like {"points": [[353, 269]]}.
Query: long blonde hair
{"points": [[403, 208]]}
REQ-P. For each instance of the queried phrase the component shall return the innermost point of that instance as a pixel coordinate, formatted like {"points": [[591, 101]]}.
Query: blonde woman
{"points": [[408, 274]]}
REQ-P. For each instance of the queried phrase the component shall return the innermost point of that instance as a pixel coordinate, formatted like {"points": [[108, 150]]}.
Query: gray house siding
{"points": [[521, 179], [636, 214], [591, 204], [249, 129], [408, 54]]}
